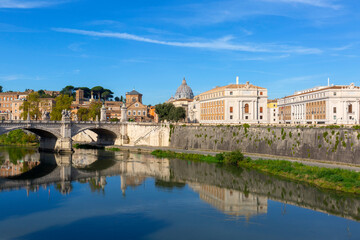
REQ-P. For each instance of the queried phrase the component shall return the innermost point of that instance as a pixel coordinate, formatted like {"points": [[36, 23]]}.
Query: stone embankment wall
{"points": [[148, 134], [337, 145]]}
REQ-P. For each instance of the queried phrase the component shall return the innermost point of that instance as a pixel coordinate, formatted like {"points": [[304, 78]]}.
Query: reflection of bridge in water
{"points": [[233, 191]]}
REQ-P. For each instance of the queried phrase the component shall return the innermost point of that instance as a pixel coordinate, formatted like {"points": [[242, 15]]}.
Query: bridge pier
{"points": [[63, 145]]}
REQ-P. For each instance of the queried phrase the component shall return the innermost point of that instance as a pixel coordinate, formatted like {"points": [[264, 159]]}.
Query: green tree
{"points": [[94, 110], [68, 90], [107, 94], [98, 90], [31, 105], [176, 114], [1, 88], [42, 94], [61, 102], [83, 114], [167, 111], [117, 99], [163, 110]]}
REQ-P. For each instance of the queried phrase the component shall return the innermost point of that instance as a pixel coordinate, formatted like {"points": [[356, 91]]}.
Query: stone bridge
{"points": [[57, 135]]}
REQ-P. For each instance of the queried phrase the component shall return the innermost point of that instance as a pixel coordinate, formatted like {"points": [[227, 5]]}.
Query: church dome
{"points": [[184, 91]]}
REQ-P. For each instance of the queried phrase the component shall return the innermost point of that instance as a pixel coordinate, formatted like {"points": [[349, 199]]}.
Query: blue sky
{"points": [[283, 45]]}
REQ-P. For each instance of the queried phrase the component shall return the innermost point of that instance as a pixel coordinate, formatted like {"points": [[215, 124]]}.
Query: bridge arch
{"points": [[39, 131], [48, 137], [105, 136]]}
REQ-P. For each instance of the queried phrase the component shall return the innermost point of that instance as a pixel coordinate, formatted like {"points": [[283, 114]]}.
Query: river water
{"points": [[95, 194]]}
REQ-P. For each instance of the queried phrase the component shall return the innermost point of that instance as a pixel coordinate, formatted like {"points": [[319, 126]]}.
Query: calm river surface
{"points": [[118, 195]]}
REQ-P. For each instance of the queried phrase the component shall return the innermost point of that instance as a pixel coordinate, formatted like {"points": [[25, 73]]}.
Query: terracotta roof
{"points": [[232, 86]]}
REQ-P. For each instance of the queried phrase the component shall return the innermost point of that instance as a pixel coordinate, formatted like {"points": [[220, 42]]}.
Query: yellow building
{"points": [[273, 113]]}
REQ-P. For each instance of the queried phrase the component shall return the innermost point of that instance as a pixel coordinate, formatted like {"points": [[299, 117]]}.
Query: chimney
{"points": [[237, 80]]}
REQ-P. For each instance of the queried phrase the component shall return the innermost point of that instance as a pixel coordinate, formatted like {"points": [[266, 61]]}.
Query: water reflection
{"points": [[15, 161], [235, 192], [232, 202]]}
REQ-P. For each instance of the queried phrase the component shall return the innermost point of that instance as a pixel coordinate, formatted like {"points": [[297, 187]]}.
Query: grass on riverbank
{"points": [[184, 156], [327, 178]]}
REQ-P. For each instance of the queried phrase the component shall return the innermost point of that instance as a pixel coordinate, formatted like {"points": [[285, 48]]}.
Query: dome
{"points": [[184, 91]]}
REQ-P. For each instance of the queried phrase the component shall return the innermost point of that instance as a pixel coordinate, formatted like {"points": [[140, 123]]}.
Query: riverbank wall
{"points": [[340, 145]]}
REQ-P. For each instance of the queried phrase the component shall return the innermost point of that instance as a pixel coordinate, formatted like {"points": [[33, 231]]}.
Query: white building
{"points": [[234, 103], [337, 104]]}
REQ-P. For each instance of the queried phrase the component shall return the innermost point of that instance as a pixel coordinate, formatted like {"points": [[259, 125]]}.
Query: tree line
{"points": [[62, 102], [100, 93]]}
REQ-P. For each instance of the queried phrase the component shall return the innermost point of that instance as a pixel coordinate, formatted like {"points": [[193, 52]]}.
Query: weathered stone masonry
{"points": [[337, 145]]}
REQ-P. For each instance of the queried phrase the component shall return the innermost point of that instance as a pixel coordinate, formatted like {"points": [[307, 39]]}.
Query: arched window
{"points": [[246, 108], [350, 108]]}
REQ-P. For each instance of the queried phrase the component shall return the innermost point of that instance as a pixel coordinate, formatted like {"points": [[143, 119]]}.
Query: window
{"points": [[136, 104], [246, 117], [231, 109], [139, 113], [231, 93], [350, 108], [260, 117], [144, 113], [231, 117], [134, 99], [334, 93], [134, 113], [261, 93], [261, 109], [246, 108]]}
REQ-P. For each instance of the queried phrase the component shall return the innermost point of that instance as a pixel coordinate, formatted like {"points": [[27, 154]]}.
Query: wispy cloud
{"points": [[345, 47], [29, 4], [314, 3], [76, 47], [14, 77], [224, 43], [263, 58], [4, 27]]}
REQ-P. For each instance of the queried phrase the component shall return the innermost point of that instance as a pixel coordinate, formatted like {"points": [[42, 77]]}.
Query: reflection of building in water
{"points": [[130, 181], [231, 202], [137, 167], [10, 169], [83, 158]]}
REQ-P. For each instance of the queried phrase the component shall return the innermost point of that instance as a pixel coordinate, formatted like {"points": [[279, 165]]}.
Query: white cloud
{"points": [[315, 3], [224, 43], [28, 4]]}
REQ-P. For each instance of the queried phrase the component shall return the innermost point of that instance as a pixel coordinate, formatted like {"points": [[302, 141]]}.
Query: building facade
{"points": [[272, 112], [337, 104], [136, 110], [234, 103]]}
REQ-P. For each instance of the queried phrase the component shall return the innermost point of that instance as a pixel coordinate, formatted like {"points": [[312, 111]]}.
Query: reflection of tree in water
{"points": [[168, 185], [95, 186], [25, 167], [64, 187], [16, 154]]}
